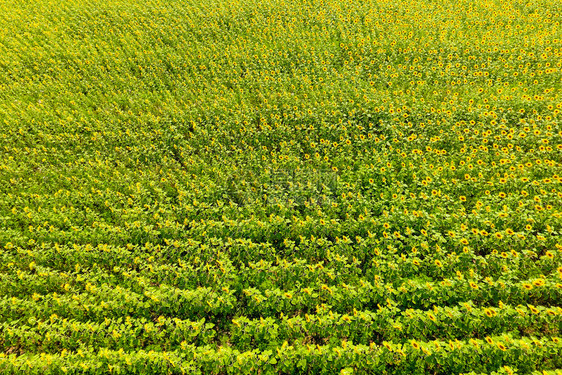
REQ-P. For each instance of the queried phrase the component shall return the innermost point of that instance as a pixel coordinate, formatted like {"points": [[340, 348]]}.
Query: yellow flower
{"points": [[533, 309], [538, 282]]}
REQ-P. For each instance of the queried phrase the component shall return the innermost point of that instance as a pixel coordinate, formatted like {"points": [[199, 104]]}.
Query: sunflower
{"points": [[533, 309], [538, 282]]}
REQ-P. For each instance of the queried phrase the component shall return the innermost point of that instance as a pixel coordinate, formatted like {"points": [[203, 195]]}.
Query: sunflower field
{"points": [[281, 187]]}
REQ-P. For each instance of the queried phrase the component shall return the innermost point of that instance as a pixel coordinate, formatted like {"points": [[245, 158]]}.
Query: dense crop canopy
{"points": [[308, 186]]}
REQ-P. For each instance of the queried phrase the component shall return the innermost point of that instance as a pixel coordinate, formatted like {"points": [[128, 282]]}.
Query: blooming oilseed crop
{"points": [[280, 187]]}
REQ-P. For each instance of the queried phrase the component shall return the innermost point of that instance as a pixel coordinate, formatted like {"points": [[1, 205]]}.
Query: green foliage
{"points": [[281, 187]]}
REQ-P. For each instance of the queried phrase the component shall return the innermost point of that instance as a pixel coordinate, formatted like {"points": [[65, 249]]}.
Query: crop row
{"points": [[113, 300], [418, 357], [385, 324], [81, 267]]}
